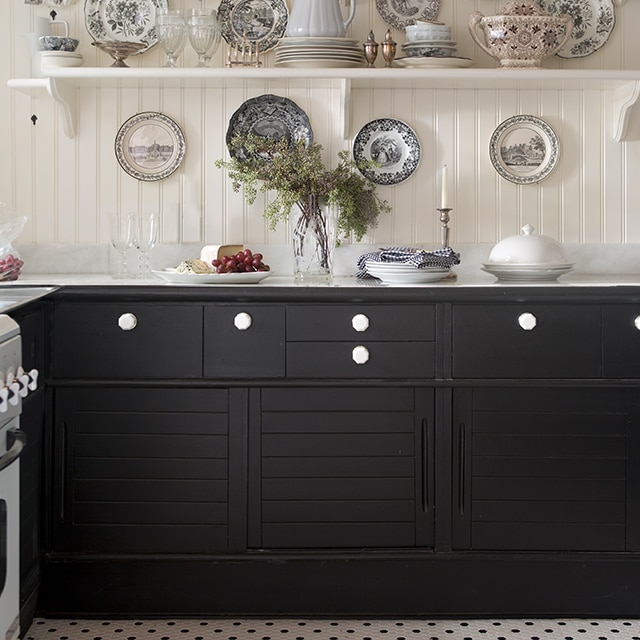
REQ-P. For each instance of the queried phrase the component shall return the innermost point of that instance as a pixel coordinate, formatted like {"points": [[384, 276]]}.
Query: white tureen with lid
{"points": [[527, 257]]}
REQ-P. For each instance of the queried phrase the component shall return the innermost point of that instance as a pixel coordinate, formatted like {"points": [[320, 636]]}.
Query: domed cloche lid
{"points": [[527, 249]]}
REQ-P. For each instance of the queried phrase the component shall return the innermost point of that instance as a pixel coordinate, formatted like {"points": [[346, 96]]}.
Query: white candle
{"points": [[444, 204]]}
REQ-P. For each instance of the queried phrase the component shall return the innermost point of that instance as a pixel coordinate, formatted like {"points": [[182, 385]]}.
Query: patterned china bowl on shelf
{"points": [[417, 50], [522, 35], [427, 31]]}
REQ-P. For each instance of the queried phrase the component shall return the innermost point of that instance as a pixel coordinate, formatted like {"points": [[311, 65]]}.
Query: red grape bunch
{"points": [[10, 267], [241, 262]]}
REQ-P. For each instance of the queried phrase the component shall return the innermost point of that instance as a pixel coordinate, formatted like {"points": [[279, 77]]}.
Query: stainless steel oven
{"points": [[14, 385]]}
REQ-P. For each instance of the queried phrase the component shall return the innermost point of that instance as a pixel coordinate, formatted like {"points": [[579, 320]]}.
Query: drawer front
{"points": [[127, 340], [621, 341], [309, 323], [244, 341], [526, 341], [361, 359]]}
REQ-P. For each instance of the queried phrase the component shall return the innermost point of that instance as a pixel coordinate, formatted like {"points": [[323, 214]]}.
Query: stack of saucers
{"points": [[404, 273], [308, 52]]}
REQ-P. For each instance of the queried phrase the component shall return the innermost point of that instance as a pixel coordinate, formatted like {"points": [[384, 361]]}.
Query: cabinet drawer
{"points": [[166, 341], [621, 341], [310, 323], [377, 359], [244, 341], [526, 341]]}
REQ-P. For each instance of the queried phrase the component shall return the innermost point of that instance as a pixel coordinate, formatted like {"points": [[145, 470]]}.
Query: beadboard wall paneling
{"points": [[68, 187]]}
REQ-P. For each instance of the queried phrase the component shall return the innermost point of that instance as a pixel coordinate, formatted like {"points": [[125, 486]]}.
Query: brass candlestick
{"points": [[370, 49], [444, 218], [388, 49]]}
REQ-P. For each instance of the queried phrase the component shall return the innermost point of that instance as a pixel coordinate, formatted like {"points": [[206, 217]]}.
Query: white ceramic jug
{"points": [[318, 18]]}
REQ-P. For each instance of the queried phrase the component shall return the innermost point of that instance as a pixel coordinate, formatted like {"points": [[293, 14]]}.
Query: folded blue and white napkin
{"points": [[420, 259]]}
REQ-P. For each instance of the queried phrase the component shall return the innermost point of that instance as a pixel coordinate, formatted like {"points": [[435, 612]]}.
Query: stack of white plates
{"points": [[403, 273], [307, 52], [60, 58], [528, 272]]}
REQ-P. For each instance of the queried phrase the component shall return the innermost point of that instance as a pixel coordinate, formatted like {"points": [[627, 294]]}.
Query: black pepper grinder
{"points": [[388, 49], [370, 49]]}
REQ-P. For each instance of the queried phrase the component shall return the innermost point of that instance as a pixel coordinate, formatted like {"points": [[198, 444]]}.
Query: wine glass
{"points": [[121, 225], [204, 34], [172, 32], [145, 236]]}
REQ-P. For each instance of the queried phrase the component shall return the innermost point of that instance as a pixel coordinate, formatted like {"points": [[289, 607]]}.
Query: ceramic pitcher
{"points": [[319, 18]]}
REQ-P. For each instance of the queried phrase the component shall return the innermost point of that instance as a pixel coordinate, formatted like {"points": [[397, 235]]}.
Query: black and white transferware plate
{"points": [[524, 149], [260, 21], [393, 145], [269, 116], [150, 146], [593, 22], [123, 20], [400, 13]]}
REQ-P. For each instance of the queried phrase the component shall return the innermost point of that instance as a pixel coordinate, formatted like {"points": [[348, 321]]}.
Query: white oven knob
{"points": [[4, 396], [360, 322], [527, 321], [23, 382], [636, 322], [360, 354], [242, 321], [33, 379], [127, 321], [14, 393]]}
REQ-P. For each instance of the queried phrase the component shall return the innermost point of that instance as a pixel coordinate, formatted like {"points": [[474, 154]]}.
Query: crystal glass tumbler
{"points": [[204, 34], [172, 32]]}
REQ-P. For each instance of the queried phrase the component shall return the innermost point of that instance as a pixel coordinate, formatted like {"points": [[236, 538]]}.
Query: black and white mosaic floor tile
{"points": [[343, 629]]}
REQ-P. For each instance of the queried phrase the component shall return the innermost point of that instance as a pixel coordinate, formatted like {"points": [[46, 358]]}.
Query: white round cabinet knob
{"points": [[360, 322], [636, 322], [527, 321], [360, 354], [242, 321], [127, 321]]}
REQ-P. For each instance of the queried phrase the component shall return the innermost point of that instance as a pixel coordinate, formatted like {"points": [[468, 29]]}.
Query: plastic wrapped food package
{"points": [[11, 225]]}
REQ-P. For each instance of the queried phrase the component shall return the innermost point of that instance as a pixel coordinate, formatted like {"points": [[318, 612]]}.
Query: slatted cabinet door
{"points": [[541, 469], [141, 470], [341, 468]]}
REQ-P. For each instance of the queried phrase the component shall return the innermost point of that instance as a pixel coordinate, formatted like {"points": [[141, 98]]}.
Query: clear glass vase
{"points": [[313, 233]]}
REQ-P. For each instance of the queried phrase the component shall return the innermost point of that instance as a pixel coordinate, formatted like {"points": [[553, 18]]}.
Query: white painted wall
{"points": [[67, 187]]}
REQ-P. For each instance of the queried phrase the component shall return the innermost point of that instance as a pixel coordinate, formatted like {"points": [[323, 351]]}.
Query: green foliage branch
{"points": [[297, 175]]}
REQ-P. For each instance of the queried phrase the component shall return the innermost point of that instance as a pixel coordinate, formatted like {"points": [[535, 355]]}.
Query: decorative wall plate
{"points": [[123, 20], [150, 146], [593, 22], [393, 145], [524, 149], [269, 116], [400, 13], [260, 21]]}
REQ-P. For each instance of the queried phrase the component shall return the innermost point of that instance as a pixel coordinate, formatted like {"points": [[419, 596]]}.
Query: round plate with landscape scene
{"points": [[524, 149]]}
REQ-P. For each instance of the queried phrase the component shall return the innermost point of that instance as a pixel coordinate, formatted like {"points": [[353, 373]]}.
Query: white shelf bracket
{"points": [[65, 99], [626, 96], [345, 101]]}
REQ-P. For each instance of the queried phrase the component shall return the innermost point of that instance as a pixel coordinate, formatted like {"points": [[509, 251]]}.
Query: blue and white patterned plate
{"points": [[593, 22], [393, 145], [123, 20]]}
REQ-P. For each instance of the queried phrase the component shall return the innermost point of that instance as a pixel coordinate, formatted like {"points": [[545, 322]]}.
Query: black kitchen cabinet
{"points": [[341, 468], [540, 469], [141, 470]]}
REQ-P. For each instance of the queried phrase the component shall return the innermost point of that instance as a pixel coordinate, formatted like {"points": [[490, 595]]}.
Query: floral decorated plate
{"points": [[400, 13], [391, 143], [123, 20], [593, 22], [260, 21]]}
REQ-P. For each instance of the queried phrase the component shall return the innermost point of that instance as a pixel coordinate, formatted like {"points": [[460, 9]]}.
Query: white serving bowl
{"points": [[527, 249], [427, 31]]}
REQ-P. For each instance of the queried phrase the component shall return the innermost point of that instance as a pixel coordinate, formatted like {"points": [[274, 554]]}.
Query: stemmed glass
{"points": [[145, 236], [204, 34], [172, 32], [121, 225]]}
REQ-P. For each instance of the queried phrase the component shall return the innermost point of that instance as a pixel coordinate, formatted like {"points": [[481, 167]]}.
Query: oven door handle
{"points": [[15, 451]]}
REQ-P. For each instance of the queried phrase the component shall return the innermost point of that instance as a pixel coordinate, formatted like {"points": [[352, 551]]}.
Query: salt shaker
{"points": [[370, 49], [388, 49]]}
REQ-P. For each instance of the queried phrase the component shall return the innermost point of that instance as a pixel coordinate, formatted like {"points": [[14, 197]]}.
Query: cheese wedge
{"points": [[212, 252]]}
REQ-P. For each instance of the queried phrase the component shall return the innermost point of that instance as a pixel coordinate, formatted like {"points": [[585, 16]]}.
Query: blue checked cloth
{"points": [[443, 258]]}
